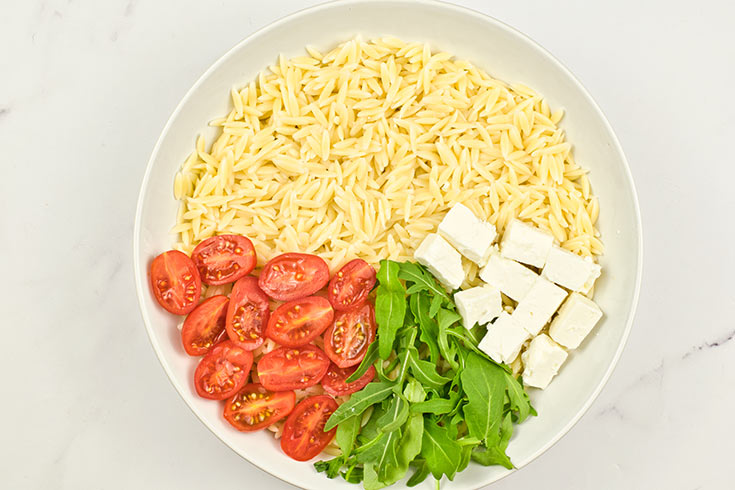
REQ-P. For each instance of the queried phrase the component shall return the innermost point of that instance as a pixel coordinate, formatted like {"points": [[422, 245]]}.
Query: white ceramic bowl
{"points": [[506, 54]]}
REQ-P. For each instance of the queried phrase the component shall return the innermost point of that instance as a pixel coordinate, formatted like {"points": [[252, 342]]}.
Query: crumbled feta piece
{"points": [[480, 304], [526, 243], [504, 339], [576, 318], [538, 305], [441, 259], [513, 279], [570, 270], [542, 361], [471, 236]]}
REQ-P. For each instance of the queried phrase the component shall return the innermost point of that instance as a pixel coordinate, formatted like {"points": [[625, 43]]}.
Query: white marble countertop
{"points": [[85, 88]]}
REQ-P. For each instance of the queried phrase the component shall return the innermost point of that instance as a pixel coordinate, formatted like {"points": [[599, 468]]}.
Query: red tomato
{"points": [[248, 313], [303, 433], [334, 381], [223, 259], [351, 285], [223, 371], [205, 325], [292, 368], [175, 282], [299, 322], [347, 339], [291, 276], [255, 407]]}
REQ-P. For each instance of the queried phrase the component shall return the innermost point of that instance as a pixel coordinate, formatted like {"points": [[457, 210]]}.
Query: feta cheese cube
{"points": [[526, 243], [576, 318], [471, 236], [538, 305], [570, 270], [504, 339], [441, 259], [542, 361], [480, 304], [513, 279]]}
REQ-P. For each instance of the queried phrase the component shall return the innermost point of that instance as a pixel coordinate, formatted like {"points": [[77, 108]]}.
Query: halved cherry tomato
{"points": [[303, 433], [334, 381], [255, 407], [347, 339], [291, 276], [351, 285], [224, 258], [223, 371], [205, 325], [175, 282], [300, 321], [292, 368], [248, 313]]}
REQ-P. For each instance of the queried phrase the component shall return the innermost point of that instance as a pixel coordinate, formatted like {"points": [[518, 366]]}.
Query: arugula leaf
{"points": [[382, 453], [496, 455], [409, 446], [359, 402], [370, 478], [436, 303], [422, 471], [414, 392], [396, 415], [421, 277], [520, 404], [441, 452], [445, 318], [427, 325], [390, 306], [437, 406], [371, 355], [331, 467], [484, 384], [354, 474], [425, 372], [346, 434]]}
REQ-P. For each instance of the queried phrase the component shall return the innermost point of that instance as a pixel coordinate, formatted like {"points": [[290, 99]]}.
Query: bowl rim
{"points": [[141, 282]]}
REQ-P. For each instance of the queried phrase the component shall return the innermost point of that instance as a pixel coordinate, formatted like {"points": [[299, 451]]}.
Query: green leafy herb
{"points": [[371, 355], [422, 471], [425, 372], [441, 452], [346, 434], [484, 384], [359, 402], [390, 306], [395, 416], [495, 455], [437, 406]]}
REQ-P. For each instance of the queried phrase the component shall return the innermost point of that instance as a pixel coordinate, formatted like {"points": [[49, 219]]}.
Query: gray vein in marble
{"points": [[129, 8], [4, 112], [709, 345]]}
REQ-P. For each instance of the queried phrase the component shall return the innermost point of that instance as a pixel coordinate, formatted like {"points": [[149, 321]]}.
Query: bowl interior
{"points": [[505, 54]]}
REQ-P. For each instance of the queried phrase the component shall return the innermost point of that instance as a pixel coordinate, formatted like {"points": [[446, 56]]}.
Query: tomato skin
{"points": [[347, 338], [334, 381], [223, 371], [300, 321], [351, 285], [247, 313], [303, 433], [291, 276], [292, 368], [175, 282], [243, 410], [205, 325], [223, 259]]}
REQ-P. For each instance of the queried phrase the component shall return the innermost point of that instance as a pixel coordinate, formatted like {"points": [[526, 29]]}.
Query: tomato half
{"points": [[255, 407], [248, 313], [175, 282], [205, 325], [300, 321], [292, 368], [346, 340], [224, 258], [223, 371], [334, 381], [303, 433], [351, 285], [291, 276]]}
